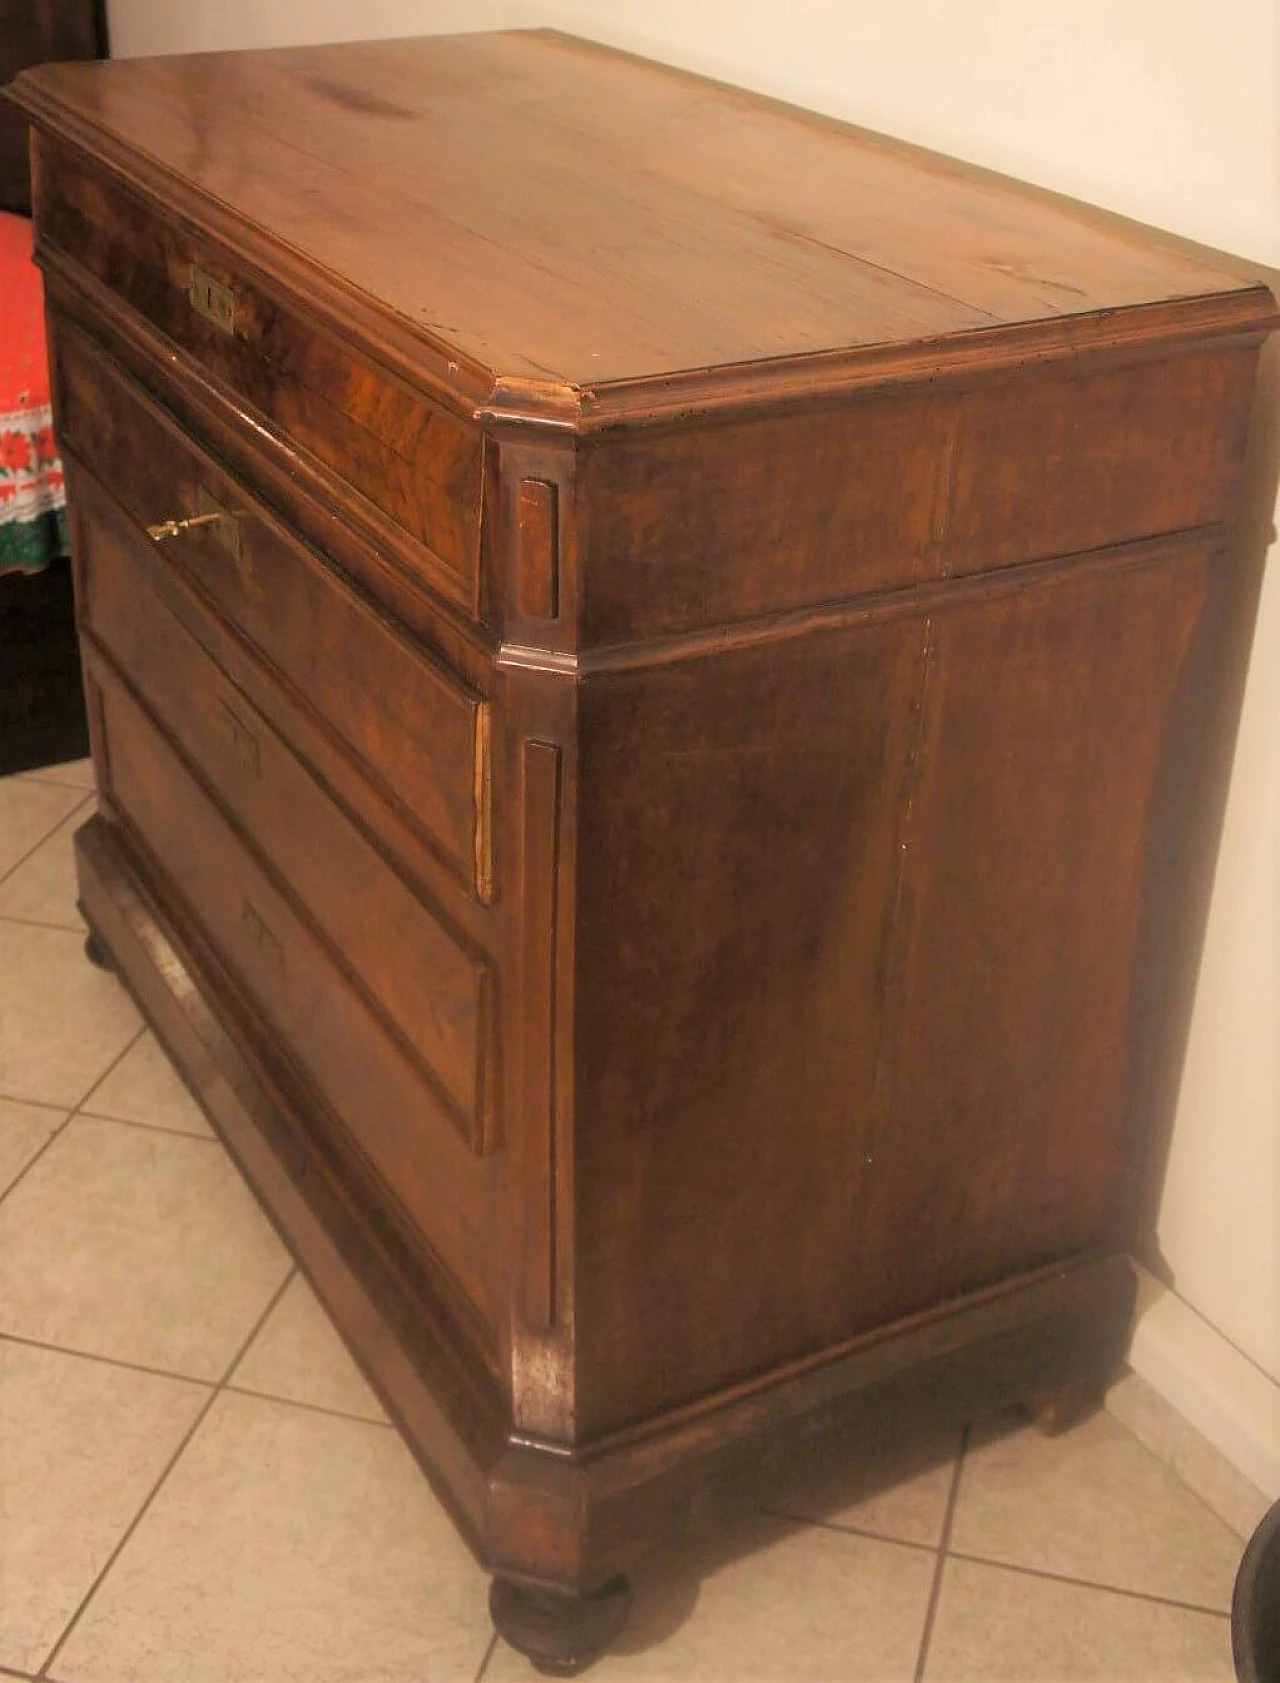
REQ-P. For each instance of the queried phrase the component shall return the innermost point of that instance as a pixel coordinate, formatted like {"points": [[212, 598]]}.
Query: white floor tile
{"points": [[138, 1245]]}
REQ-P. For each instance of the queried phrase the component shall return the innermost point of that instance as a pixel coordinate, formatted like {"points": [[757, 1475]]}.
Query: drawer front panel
{"points": [[414, 727], [413, 461], [390, 1114], [436, 996]]}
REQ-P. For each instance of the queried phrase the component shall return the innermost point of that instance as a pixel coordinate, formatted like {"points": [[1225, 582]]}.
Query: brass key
{"points": [[171, 528]]}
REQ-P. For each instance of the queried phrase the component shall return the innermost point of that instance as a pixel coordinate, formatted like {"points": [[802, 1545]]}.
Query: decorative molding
{"points": [[482, 753], [538, 549], [933, 596], [539, 852]]}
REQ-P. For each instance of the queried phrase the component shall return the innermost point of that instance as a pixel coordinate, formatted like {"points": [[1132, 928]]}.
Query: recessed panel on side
{"points": [[858, 959], [1053, 719], [738, 846]]}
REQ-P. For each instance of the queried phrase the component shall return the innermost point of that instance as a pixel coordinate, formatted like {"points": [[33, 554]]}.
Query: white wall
{"points": [[139, 27], [1163, 110]]}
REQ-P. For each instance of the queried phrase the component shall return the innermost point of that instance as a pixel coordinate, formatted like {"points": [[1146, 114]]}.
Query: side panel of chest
{"points": [[691, 528], [859, 954]]}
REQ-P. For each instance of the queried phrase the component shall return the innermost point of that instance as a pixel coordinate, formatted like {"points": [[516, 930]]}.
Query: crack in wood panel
{"points": [[538, 549], [897, 937]]}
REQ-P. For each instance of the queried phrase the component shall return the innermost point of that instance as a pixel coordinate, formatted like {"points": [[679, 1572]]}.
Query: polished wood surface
{"points": [[692, 529], [418, 464], [660, 672], [745, 231], [334, 652], [431, 993], [903, 1072]]}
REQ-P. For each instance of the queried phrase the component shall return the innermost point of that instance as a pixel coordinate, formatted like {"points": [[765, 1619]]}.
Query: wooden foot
{"points": [[1063, 1406], [96, 953], [561, 1634]]}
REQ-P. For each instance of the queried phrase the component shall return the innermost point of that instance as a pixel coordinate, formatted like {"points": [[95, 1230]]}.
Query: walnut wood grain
{"points": [[267, 142], [660, 808], [420, 464], [401, 950], [294, 610]]}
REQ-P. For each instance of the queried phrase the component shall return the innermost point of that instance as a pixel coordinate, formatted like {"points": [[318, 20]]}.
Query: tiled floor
{"points": [[196, 1486]]}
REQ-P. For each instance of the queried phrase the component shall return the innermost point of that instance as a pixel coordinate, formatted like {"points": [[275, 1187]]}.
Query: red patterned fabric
{"points": [[32, 524]]}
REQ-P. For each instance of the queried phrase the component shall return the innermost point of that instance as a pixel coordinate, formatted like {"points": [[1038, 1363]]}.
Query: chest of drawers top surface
{"points": [[551, 226]]}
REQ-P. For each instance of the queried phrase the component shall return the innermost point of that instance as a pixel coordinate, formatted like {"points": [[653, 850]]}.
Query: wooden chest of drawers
{"points": [[661, 672]]}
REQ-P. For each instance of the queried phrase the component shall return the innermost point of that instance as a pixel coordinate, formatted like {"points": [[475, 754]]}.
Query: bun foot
{"points": [[1059, 1409], [96, 953], [561, 1634]]}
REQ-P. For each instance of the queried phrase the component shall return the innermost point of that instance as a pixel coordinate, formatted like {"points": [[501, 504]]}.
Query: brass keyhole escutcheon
{"points": [[212, 298]]}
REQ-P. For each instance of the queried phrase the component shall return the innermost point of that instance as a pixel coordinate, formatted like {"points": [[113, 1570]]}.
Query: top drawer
{"points": [[410, 461]]}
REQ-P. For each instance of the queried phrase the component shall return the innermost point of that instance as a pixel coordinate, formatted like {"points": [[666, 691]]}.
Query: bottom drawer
{"points": [[385, 1109]]}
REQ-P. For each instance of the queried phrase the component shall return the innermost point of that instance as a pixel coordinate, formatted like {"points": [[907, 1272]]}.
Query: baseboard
{"points": [[1202, 1406]]}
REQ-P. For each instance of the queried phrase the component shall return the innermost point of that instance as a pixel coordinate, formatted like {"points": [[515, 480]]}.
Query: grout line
{"points": [[851, 1531], [45, 923], [290, 1275], [152, 1127], [1003, 1565], [1089, 1584], [40, 1104], [311, 1408], [172, 1462], [31, 1162], [111, 1067], [65, 819], [488, 1656], [1172, 1471], [71, 1115], [935, 1589], [190, 1379], [105, 1361]]}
